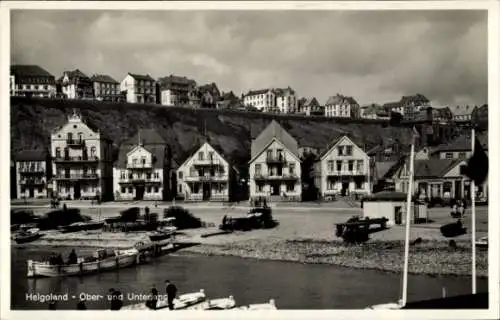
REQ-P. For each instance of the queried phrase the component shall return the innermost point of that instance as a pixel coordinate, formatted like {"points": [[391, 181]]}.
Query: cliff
{"points": [[32, 121]]}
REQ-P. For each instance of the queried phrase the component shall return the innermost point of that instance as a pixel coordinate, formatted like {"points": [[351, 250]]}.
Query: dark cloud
{"points": [[375, 56]]}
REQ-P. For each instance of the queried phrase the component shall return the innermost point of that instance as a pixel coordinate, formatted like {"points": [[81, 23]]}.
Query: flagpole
{"points": [[473, 220], [408, 219]]}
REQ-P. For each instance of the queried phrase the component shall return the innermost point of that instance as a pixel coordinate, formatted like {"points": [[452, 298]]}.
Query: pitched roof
{"points": [[210, 87], [462, 110], [191, 151], [463, 143], [336, 140], [103, 78], [31, 155], [158, 152], [254, 92], [167, 82], [382, 168], [340, 99], [308, 102], [73, 74], [284, 91], [141, 77], [434, 168], [229, 96], [391, 105], [417, 99], [20, 71], [147, 136], [274, 130]]}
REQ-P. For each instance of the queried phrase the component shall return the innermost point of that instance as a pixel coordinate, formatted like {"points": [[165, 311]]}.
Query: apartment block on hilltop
{"points": [[342, 169], [342, 107], [82, 161], [175, 90], [206, 175], [311, 107], [143, 170], [286, 100], [263, 100], [275, 166], [463, 114], [139, 88], [394, 106], [33, 174], [31, 81], [106, 88], [412, 105], [76, 85], [228, 100]]}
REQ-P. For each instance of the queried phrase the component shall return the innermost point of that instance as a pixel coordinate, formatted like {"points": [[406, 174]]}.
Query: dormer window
{"points": [[143, 160], [201, 155], [134, 161], [340, 150]]}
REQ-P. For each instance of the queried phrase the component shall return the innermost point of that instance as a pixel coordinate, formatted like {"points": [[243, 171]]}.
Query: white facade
{"points": [[287, 103], [342, 110], [169, 98], [31, 178], [81, 161], [264, 101], [275, 173], [343, 170], [35, 90], [206, 175], [140, 179], [138, 91]]}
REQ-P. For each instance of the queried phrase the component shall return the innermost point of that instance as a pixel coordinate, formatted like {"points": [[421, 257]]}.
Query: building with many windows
{"points": [[174, 90], [463, 114], [139, 88], [412, 105], [275, 166], [206, 175], [82, 161], [311, 107], [106, 88], [459, 148], [342, 169], [342, 107], [143, 170], [76, 85], [263, 100], [31, 81], [33, 174], [286, 100]]}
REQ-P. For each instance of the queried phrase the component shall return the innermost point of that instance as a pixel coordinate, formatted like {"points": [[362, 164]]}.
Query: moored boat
{"points": [[271, 305], [182, 302], [28, 235], [215, 304], [98, 263]]}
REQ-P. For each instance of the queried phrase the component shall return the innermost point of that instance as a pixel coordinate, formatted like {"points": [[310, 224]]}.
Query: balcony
{"points": [[206, 162], [275, 159], [335, 173], [139, 180], [75, 143], [78, 159], [31, 171], [206, 178], [147, 165], [77, 176], [32, 182], [268, 177]]}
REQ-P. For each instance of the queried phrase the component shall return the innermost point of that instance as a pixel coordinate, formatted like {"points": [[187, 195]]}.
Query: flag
{"points": [[477, 166]]}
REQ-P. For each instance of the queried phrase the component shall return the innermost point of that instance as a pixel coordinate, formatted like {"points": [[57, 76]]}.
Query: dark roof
{"points": [[141, 77], [211, 87], [29, 71], [229, 96], [391, 105], [147, 136], [254, 92], [434, 168], [158, 152], [463, 143], [339, 99], [31, 155], [383, 168], [284, 91], [191, 151], [417, 99], [103, 78]]}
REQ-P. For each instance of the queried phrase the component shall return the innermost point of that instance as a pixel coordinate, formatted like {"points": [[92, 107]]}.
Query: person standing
{"points": [[116, 299], [461, 209], [171, 293], [154, 298], [81, 305]]}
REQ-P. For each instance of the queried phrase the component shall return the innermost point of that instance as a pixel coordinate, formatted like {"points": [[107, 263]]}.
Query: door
{"points": [[275, 189], [458, 189], [77, 192], [66, 153], [398, 215], [207, 192], [345, 187], [32, 192], [139, 192]]}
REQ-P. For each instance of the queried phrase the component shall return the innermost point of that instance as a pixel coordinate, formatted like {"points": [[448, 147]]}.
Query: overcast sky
{"points": [[375, 56]]}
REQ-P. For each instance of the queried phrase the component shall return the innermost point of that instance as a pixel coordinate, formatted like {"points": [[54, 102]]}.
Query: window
{"points": [[340, 150], [350, 165], [331, 166], [258, 169], [156, 189], [122, 175], [157, 175], [80, 136], [211, 155], [348, 150], [449, 155], [260, 187], [40, 189], [358, 181], [290, 186], [69, 136], [201, 155], [143, 160], [130, 190], [360, 166], [339, 165], [93, 152], [180, 188], [291, 168], [148, 175], [84, 188], [180, 174], [58, 152], [134, 161], [149, 190], [330, 184], [462, 155], [124, 190]]}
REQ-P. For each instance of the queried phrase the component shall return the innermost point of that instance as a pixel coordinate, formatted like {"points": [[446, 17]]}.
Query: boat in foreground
{"points": [[100, 261], [271, 305], [27, 235], [182, 302]]}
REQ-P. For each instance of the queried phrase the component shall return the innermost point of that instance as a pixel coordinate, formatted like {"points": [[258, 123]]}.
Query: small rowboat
{"points": [[25, 236], [482, 242], [271, 305], [386, 306], [182, 302], [215, 304], [88, 265]]}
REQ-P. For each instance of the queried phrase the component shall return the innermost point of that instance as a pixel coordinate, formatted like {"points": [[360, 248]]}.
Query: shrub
{"points": [[183, 218], [22, 217], [64, 217], [130, 214]]}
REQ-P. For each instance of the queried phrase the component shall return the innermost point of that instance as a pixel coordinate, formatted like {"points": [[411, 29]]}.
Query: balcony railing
{"points": [[31, 171], [147, 165], [285, 176], [206, 162], [336, 173], [275, 159], [36, 182], [141, 180], [75, 142], [196, 178], [77, 176], [77, 159]]}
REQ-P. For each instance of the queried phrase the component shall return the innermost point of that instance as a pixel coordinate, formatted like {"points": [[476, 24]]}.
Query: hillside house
{"points": [[31, 81], [286, 100], [311, 107], [76, 85], [33, 174], [106, 88], [412, 105], [175, 90], [463, 114], [139, 88], [340, 106], [263, 100], [275, 166]]}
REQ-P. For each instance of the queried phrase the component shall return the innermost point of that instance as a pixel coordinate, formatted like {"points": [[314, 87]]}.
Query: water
{"points": [[293, 285]]}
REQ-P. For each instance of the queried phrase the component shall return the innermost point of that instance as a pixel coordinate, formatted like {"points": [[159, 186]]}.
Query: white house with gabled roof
{"points": [[274, 168], [205, 176], [342, 169]]}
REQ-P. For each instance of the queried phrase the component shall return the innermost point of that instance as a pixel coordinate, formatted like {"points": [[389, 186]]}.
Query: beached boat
{"points": [[215, 304], [482, 242], [27, 235], [163, 234], [271, 305], [82, 226], [87, 265], [182, 302]]}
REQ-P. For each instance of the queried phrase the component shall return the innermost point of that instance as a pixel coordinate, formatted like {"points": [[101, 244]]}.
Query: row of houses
{"points": [[80, 165]]}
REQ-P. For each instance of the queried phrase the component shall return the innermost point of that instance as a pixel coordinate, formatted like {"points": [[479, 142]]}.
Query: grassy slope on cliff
{"points": [[33, 120]]}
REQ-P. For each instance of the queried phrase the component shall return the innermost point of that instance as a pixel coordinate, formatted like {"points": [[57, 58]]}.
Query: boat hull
{"points": [[27, 239], [44, 269]]}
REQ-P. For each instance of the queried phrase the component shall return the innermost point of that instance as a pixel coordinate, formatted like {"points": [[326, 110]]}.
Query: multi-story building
{"points": [[139, 88], [463, 114], [342, 169], [33, 174], [206, 175], [228, 101], [311, 107], [263, 100], [412, 105], [275, 166], [174, 90], [286, 100], [82, 161], [31, 81], [459, 148], [342, 107], [76, 85], [209, 95], [395, 106], [143, 170], [106, 88]]}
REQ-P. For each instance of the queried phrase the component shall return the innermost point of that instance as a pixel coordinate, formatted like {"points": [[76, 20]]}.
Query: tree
{"points": [[310, 191]]}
